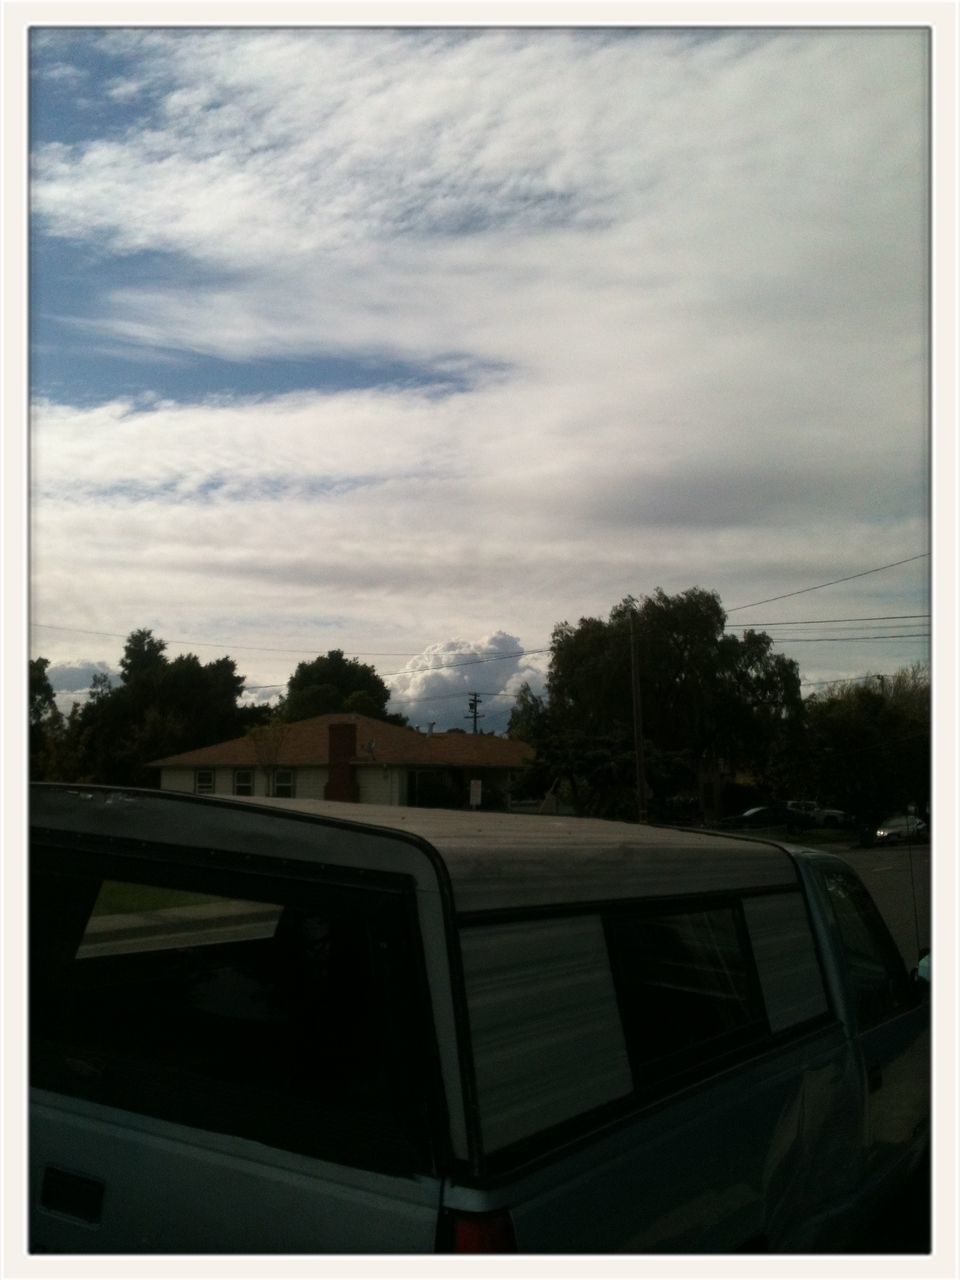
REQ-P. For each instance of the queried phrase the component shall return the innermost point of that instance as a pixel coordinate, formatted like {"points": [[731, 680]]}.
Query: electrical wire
{"points": [[810, 622], [820, 585], [913, 635], [847, 679]]}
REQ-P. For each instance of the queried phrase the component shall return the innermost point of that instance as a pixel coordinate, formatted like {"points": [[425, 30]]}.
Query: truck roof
{"points": [[491, 861]]}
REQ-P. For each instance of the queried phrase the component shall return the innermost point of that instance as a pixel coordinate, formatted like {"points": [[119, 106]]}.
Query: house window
{"points": [[283, 783], [203, 782], [243, 782]]}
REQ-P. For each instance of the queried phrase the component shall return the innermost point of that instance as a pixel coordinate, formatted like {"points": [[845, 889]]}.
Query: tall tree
{"points": [[44, 717], [142, 656], [40, 690], [866, 746], [161, 706], [332, 682], [707, 701]]}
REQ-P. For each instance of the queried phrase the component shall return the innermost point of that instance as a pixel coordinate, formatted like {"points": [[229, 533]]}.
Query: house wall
{"points": [[309, 782], [176, 779], [377, 784], [382, 786]]}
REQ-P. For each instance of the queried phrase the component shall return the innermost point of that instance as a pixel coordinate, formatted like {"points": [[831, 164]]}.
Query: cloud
{"points": [[64, 72], [435, 687], [71, 681], [675, 283]]}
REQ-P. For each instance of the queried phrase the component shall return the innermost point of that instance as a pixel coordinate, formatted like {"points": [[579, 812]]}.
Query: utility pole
{"points": [[637, 729], [473, 713]]}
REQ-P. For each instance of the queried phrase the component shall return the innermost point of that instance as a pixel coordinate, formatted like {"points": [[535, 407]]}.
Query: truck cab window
{"points": [[878, 978]]}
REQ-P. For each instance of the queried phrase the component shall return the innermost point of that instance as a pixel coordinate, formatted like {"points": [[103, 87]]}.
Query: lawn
{"points": [[118, 897]]}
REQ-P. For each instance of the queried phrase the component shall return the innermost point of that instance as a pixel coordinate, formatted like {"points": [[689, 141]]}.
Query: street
{"points": [[898, 879]]}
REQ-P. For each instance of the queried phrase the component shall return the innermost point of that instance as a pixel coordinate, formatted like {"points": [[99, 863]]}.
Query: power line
{"points": [[844, 680], [467, 662], [833, 583], [913, 635], [810, 622], [445, 697]]}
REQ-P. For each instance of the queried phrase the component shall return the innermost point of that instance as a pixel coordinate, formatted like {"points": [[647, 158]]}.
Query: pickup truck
{"points": [[293, 1026], [815, 815]]}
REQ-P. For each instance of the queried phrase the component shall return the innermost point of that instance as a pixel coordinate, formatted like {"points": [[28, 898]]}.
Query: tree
{"points": [[40, 691], [709, 701], [142, 656], [866, 746], [335, 683], [161, 707], [45, 720], [268, 741]]}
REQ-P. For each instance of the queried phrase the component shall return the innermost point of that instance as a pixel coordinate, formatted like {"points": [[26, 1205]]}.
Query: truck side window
{"points": [[876, 971], [688, 991]]}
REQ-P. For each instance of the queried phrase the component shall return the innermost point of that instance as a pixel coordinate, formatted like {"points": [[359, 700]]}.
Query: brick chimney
{"points": [[342, 782]]}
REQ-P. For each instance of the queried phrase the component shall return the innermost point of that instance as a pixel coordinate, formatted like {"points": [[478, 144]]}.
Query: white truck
{"points": [[813, 814], [293, 1026]]}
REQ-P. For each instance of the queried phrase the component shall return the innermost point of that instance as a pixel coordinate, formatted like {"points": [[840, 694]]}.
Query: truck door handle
{"points": [[72, 1194], [874, 1077]]}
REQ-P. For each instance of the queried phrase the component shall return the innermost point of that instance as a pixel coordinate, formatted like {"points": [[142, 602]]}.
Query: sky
{"points": [[417, 342]]}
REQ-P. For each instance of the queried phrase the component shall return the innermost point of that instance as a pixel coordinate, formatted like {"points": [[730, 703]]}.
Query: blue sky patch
{"points": [[72, 363]]}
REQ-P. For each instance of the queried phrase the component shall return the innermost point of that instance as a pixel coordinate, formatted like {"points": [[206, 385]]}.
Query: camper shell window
{"points": [[296, 1019]]}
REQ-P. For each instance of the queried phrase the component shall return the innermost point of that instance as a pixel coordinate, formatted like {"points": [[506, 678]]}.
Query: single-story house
{"points": [[353, 757]]}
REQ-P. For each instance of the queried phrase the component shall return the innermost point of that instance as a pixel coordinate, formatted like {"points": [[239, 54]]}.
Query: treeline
{"points": [[162, 706], [720, 720]]}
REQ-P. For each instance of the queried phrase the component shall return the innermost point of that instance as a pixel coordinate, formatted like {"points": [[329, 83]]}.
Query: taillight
{"points": [[481, 1232]]}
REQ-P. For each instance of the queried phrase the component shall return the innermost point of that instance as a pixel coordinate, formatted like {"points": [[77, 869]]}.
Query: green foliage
{"points": [[705, 698], [40, 691], [866, 746], [160, 707], [142, 657], [45, 719], [163, 706], [335, 683]]}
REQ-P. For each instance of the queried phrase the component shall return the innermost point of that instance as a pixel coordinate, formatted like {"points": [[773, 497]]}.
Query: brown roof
{"points": [[306, 742]]}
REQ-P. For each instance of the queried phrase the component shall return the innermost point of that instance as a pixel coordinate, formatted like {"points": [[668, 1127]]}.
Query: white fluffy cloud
{"points": [[435, 687]]}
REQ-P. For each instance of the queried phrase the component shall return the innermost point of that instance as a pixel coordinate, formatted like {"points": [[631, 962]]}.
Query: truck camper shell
{"points": [[479, 862]]}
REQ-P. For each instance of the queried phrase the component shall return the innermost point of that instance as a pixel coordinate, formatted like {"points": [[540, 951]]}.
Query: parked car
{"points": [[811, 813], [291, 1026], [761, 816], [902, 829]]}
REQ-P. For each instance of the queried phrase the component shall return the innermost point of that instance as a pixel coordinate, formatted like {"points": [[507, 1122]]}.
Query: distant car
{"points": [[810, 813], [902, 828], [766, 815]]}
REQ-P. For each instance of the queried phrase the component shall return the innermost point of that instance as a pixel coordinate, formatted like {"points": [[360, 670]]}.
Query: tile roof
{"points": [[306, 742]]}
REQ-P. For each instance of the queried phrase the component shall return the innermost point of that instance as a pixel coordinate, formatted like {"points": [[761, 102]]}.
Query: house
{"points": [[353, 757]]}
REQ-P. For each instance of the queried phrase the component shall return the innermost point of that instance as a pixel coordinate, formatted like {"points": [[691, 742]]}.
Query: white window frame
{"points": [[252, 783], [292, 783]]}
